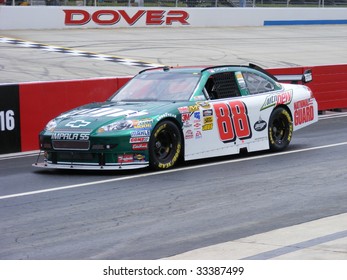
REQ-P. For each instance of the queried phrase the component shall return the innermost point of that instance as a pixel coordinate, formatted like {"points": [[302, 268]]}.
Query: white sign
{"points": [[62, 17]]}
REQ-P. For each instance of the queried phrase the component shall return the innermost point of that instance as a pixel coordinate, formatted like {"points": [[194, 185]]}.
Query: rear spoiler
{"points": [[305, 78], [294, 79]]}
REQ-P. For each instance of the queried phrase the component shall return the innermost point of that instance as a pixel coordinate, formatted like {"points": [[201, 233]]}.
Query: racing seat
{"points": [[210, 88]]}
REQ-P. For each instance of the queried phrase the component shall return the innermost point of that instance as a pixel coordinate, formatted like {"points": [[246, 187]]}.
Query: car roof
{"points": [[214, 68]]}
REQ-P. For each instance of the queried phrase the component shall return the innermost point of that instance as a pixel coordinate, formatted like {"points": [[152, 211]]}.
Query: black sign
{"points": [[9, 119]]}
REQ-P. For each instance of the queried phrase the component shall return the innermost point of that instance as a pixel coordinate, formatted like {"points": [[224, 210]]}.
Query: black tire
{"points": [[280, 129], [165, 146]]}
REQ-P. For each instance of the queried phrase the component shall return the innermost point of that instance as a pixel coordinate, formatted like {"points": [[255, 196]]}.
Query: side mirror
{"points": [[307, 76]]}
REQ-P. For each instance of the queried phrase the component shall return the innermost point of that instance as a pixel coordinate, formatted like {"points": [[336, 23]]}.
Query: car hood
{"points": [[92, 116]]}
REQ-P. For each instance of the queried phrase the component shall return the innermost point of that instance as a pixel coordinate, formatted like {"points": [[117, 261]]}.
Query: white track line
{"points": [[169, 171], [19, 155], [333, 116]]}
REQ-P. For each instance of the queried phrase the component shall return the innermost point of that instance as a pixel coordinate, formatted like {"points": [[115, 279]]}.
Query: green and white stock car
{"points": [[165, 115]]}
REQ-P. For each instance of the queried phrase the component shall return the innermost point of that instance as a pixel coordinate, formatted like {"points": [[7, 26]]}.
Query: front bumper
{"points": [[87, 160], [116, 166]]}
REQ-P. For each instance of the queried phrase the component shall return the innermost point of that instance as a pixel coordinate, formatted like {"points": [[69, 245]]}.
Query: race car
{"points": [[167, 114]]}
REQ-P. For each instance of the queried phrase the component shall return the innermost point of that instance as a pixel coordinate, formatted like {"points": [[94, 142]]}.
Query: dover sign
{"points": [[59, 17], [112, 17]]}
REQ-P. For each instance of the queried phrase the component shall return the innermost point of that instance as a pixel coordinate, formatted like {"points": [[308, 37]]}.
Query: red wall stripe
{"points": [[41, 102], [329, 84]]}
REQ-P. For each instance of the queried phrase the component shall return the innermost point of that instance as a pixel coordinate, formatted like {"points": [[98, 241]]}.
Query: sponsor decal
{"points": [[139, 139], [139, 158], [260, 125], [207, 113], [197, 120], [208, 116], [139, 133], [193, 108], [129, 158], [208, 126], [240, 80], [166, 115], [187, 124], [185, 117], [197, 116], [197, 125], [145, 123], [183, 110], [140, 146], [205, 104], [126, 158], [107, 17], [277, 99], [189, 134], [198, 134], [77, 123], [208, 120], [303, 111]]}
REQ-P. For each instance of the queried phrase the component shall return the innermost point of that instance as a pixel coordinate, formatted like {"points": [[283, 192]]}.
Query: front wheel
{"points": [[165, 146], [280, 129]]}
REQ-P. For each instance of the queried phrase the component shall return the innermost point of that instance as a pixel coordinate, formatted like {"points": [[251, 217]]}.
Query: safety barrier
{"points": [[67, 17], [27, 107]]}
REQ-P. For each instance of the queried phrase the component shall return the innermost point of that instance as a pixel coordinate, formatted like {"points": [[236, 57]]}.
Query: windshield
{"points": [[153, 86]]}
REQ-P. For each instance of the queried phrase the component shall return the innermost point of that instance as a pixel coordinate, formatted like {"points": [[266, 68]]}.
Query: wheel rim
{"points": [[163, 146], [279, 129]]}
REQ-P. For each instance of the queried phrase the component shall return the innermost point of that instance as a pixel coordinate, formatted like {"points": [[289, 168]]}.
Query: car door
{"points": [[231, 120]]}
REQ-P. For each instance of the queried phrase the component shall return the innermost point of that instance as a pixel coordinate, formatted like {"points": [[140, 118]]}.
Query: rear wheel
{"points": [[280, 129], [165, 146]]}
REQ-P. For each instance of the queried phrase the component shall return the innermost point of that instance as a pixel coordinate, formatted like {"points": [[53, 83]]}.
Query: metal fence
{"points": [[180, 3]]}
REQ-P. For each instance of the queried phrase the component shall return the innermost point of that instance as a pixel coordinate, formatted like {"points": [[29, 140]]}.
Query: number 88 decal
{"points": [[232, 121]]}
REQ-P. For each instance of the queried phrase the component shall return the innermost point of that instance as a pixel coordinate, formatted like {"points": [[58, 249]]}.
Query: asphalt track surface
{"points": [[266, 46], [289, 205]]}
